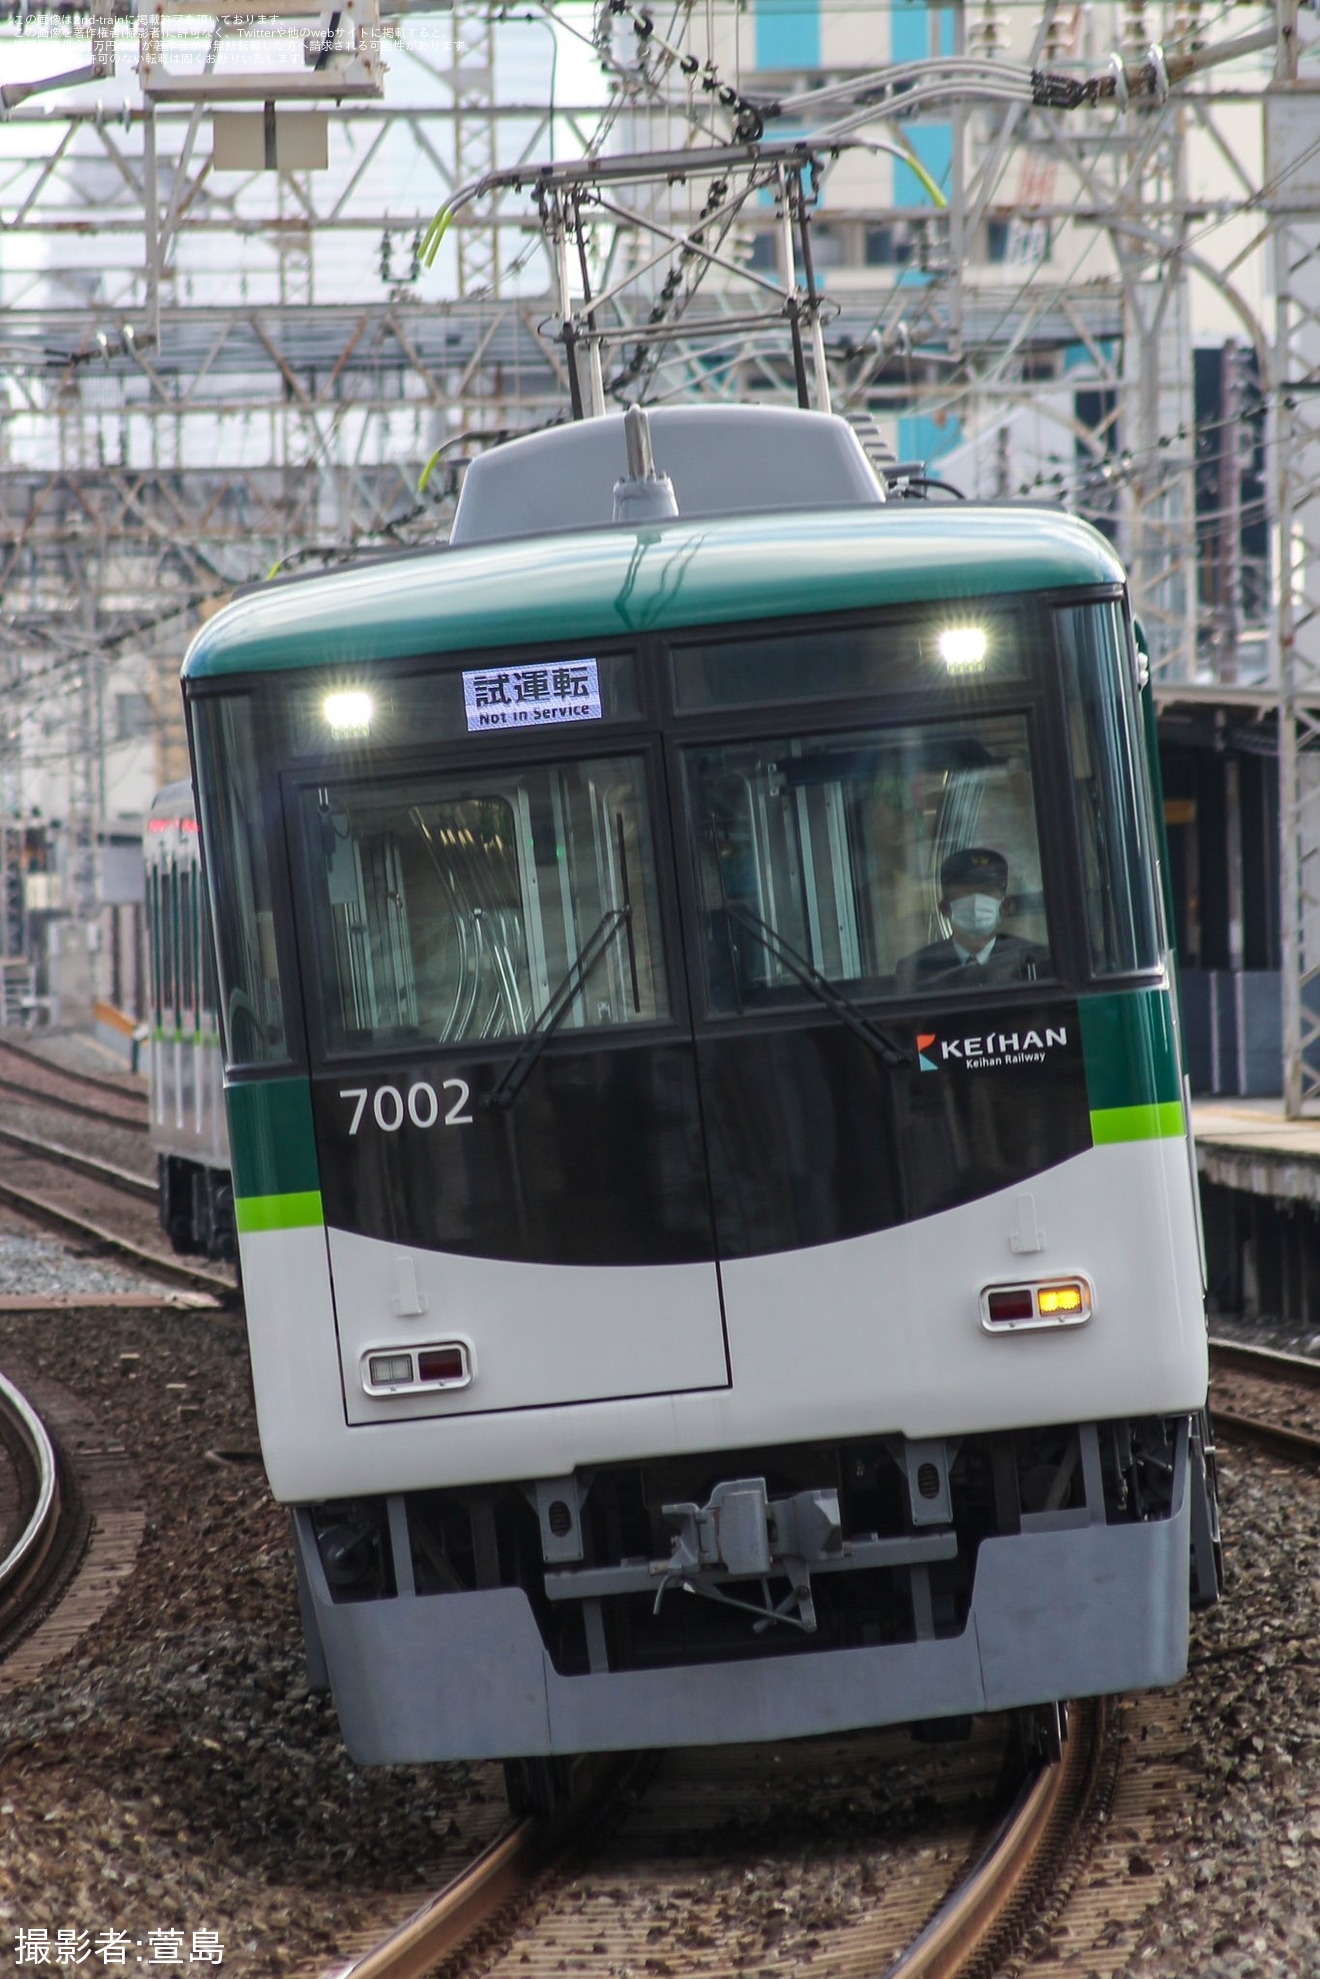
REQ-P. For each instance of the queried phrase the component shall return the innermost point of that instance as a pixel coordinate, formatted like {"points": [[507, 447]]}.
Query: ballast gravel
{"points": [[171, 1774], [1210, 1863], [1235, 1871], [39, 1268]]}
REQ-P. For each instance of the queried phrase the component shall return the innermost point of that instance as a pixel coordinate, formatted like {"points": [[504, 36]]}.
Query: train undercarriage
{"points": [[904, 1565]]}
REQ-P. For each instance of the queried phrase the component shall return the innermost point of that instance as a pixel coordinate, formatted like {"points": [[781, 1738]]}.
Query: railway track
{"points": [[497, 1885], [546, 1881], [1265, 1370], [1022, 1868], [35, 1184], [68, 1222], [37, 1504], [25, 1075], [120, 1084], [123, 1179]]}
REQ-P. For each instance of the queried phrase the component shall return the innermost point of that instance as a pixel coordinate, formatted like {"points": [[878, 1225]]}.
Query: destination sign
{"points": [[532, 697]]}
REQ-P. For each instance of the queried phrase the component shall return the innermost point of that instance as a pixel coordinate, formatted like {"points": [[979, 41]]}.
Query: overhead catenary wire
{"points": [[648, 79]]}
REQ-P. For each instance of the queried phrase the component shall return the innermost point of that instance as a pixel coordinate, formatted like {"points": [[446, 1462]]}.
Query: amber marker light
{"points": [[1024, 1308]]}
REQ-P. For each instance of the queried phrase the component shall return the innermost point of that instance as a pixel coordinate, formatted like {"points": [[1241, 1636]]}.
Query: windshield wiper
{"points": [[561, 1001], [820, 986]]}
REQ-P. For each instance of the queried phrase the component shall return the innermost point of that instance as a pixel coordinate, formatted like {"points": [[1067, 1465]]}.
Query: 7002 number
{"points": [[422, 1104]]}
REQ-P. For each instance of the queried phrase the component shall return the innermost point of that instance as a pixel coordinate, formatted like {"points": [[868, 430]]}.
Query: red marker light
{"points": [[442, 1364], [1010, 1308]]}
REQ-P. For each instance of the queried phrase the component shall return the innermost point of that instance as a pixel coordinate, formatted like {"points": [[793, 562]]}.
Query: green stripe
{"points": [[271, 1137], [602, 582], [278, 1212], [1130, 1048], [1137, 1123]]}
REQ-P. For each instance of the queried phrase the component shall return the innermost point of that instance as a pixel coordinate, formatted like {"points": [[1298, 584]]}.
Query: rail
{"points": [[30, 1547], [62, 1087], [1265, 1360], [1022, 1858], [81, 1164], [450, 1918], [1296, 1446], [173, 1270], [984, 1912], [498, 1877], [133, 1123], [97, 1080]]}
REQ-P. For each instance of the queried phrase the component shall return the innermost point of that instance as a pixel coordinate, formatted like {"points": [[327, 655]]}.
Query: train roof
{"points": [[174, 800], [616, 581], [719, 460]]}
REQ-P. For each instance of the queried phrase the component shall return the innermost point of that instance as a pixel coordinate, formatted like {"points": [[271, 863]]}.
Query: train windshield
{"points": [[478, 906], [902, 859], [230, 742], [1109, 790]]}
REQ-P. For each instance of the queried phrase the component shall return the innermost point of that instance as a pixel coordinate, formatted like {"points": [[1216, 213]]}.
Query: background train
{"points": [[184, 1062], [709, 1132]]}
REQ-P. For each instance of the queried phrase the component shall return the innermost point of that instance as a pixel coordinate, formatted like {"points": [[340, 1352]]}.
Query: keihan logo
{"points": [[991, 1049]]}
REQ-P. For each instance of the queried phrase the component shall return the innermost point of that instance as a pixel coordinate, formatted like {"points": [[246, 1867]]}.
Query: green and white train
{"points": [[184, 1066], [710, 1141]]}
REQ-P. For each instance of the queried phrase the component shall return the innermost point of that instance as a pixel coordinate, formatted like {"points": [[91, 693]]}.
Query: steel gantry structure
{"points": [[251, 286], [1291, 201]]}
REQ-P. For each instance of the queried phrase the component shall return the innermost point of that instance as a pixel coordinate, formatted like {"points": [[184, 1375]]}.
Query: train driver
{"points": [[973, 889]]}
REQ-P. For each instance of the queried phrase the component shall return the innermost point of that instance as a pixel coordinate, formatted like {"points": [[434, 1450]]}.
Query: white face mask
{"points": [[975, 915]]}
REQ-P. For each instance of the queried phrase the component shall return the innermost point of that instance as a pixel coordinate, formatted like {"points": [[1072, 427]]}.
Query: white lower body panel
{"points": [[537, 1336], [880, 1334]]}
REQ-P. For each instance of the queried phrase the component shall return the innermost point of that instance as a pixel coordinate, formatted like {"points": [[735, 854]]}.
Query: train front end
{"points": [[711, 1157]]}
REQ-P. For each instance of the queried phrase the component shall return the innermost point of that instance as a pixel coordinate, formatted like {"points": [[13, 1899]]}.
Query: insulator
{"points": [[1136, 34], [1058, 37], [991, 33], [1188, 29]]}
